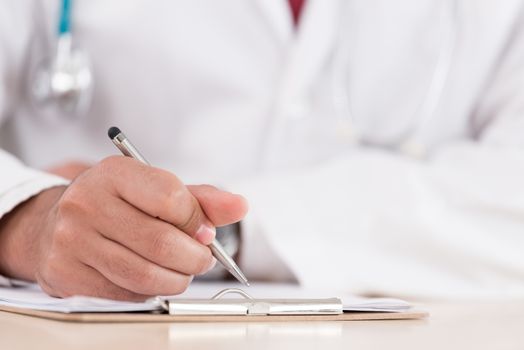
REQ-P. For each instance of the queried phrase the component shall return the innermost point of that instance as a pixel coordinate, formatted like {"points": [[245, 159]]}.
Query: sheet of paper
{"points": [[32, 297]]}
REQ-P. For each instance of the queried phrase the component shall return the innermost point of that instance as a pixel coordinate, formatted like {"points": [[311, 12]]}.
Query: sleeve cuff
{"points": [[34, 184]]}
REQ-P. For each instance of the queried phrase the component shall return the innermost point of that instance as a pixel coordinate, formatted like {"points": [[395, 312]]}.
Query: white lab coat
{"points": [[350, 187]]}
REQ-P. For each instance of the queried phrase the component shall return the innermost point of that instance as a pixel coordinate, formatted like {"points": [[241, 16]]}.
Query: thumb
{"points": [[221, 207]]}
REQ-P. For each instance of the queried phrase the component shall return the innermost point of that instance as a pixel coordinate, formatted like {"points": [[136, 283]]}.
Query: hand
{"points": [[121, 230]]}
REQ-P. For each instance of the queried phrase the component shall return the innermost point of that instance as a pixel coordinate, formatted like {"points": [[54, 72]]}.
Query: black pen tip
{"points": [[113, 132]]}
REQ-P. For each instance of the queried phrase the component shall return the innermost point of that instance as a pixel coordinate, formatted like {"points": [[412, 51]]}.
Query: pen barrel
{"points": [[221, 255], [128, 149]]}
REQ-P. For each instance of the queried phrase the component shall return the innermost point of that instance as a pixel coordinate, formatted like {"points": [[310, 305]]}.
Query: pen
{"points": [[126, 147]]}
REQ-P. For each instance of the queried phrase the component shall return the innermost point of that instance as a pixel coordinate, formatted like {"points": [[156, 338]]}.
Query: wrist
{"points": [[21, 231]]}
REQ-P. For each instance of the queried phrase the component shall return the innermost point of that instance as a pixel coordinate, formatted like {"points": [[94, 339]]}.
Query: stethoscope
{"points": [[61, 85]]}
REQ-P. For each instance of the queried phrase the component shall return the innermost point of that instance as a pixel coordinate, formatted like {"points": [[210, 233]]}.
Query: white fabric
{"points": [[223, 92], [17, 182]]}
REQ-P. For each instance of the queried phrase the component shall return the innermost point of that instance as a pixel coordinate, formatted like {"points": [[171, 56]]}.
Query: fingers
{"points": [[77, 278], [132, 272], [221, 207], [125, 230], [159, 194], [153, 239]]}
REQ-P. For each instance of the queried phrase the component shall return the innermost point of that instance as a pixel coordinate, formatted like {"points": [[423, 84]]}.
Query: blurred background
{"points": [[378, 143]]}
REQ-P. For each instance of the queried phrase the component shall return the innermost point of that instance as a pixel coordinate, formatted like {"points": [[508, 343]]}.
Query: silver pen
{"points": [[126, 147]]}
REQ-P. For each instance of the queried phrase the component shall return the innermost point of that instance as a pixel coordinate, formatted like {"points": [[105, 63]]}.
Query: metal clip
{"points": [[231, 291], [249, 306]]}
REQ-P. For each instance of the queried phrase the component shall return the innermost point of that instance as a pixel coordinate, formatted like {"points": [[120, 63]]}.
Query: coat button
{"points": [[413, 149], [347, 132]]}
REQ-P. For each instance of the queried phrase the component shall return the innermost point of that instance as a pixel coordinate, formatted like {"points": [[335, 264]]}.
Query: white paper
{"points": [[32, 297]]}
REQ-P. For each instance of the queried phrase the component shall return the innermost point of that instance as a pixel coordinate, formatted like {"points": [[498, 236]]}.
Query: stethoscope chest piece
{"points": [[61, 85]]}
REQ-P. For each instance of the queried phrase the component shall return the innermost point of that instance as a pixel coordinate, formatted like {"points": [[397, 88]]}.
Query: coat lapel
{"points": [[276, 14], [313, 43]]}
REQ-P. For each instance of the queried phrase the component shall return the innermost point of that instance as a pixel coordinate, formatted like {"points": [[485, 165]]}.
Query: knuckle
{"points": [[110, 163], [63, 236], [203, 189], [73, 200], [172, 191], [163, 244], [193, 216], [131, 226], [112, 167], [145, 277], [141, 279], [122, 268]]}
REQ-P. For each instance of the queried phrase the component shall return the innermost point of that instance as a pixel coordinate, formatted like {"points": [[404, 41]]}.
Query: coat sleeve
{"points": [[17, 182], [373, 221]]}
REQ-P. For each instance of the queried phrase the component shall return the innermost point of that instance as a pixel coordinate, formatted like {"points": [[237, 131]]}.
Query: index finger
{"points": [[158, 193]]}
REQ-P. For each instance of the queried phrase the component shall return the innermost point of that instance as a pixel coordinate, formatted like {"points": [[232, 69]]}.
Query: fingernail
{"points": [[212, 265], [205, 234]]}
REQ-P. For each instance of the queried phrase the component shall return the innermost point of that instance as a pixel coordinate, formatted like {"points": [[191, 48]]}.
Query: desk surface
{"points": [[452, 325]]}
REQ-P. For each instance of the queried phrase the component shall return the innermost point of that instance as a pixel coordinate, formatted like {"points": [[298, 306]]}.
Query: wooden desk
{"points": [[451, 326]]}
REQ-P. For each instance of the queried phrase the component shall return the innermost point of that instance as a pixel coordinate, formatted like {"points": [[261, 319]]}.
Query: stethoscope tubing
{"points": [[428, 105], [64, 24]]}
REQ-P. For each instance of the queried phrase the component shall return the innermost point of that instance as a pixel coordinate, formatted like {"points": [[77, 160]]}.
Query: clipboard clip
{"points": [[249, 306]]}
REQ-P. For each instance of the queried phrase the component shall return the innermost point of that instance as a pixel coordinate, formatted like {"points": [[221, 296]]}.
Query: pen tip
{"points": [[113, 132]]}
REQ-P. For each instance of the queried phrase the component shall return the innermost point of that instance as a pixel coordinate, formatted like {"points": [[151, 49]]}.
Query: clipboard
{"points": [[219, 309]]}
